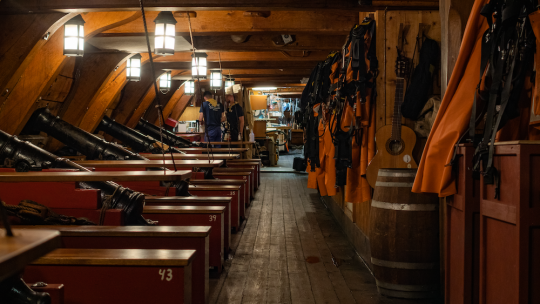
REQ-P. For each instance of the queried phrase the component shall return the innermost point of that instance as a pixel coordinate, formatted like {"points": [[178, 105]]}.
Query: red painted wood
{"points": [[53, 195], [226, 175], [113, 284], [226, 218], [244, 198], [462, 234], [200, 287], [510, 228], [256, 173], [235, 202], [216, 257], [252, 180]]}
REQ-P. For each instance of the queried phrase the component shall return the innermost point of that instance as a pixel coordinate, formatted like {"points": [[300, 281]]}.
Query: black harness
{"points": [[508, 47]]}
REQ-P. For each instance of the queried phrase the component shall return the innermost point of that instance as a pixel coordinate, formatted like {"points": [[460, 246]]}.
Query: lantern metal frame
{"points": [[165, 34], [134, 68], [74, 37], [165, 81], [216, 80], [199, 65], [189, 87]]}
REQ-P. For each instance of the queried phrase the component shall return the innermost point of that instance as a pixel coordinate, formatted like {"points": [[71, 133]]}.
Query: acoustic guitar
{"points": [[395, 142]]}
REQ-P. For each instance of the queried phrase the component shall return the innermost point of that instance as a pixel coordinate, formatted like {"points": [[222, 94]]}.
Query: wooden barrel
{"points": [[404, 237]]}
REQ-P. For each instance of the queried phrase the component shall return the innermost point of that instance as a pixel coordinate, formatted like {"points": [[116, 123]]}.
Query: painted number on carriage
{"points": [[166, 274], [213, 218], [232, 192]]}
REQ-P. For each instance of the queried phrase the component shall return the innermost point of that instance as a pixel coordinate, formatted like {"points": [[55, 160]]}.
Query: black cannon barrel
{"points": [[169, 137], [86, 143], [134, 139], [24, 156]]}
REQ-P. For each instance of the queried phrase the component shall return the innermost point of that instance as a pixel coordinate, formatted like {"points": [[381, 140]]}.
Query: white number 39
{"points": [[168, 272], [213, 218]]}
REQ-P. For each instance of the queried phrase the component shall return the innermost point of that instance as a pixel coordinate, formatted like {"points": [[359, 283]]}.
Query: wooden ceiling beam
{"points": [[43, 6], [22, 37], [234, 23], [260, 43], [289, 65], [43, 68], [248, 56]]}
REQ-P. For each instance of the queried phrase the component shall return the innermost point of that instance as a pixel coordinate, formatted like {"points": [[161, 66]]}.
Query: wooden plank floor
{"points": [[292, 251]]}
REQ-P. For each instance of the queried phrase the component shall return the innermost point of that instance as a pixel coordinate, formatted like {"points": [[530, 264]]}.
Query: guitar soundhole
{"points": [[395, 147]]}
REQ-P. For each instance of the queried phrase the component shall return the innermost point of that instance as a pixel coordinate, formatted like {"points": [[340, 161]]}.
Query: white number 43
{"points": [[168, 273]]}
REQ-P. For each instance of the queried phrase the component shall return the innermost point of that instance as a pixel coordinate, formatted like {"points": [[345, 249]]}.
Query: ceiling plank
{"points": [[41, 6]]}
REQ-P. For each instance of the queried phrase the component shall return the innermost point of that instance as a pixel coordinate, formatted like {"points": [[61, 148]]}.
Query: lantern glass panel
{"points": [[81, 44], [171, 30], [169, 43], [215, 81], [160, 29], [71, 30], [189, 87], [70, 43], [159, 42]]}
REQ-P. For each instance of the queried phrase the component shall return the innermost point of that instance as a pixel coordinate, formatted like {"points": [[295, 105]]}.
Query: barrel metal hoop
{"points": [[403, 265], [394, 184], [403, 287], [403, 207], [396, 174]]}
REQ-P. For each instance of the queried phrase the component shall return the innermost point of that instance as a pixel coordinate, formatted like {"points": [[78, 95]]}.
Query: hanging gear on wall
{"points": [[508, 47]]}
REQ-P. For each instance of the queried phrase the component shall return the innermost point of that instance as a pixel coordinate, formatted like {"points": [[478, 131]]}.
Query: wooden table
{"points": [[99, 176], [180, 156], [23, 248], [150, 163], [215, 150]]}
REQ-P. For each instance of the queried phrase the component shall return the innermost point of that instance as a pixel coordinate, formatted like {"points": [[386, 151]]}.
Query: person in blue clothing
{"points": [[212, 114]]}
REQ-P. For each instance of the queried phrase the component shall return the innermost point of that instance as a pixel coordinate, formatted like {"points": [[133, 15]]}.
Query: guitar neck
{"points": [[398, 100]]}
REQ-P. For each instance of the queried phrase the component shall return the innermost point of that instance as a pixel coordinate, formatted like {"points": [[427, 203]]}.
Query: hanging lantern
{"points": [[165, 82], [189, 87], [199, 65], [133, 70], [74, 36], [164, 34], [229, 82], [215, 80]]}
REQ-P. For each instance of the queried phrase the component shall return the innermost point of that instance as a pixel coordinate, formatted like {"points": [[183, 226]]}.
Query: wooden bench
{"points": [[242, 168], [224, 201], [254, 160], [145, 237], [232, 191], [247, 165], [244, 190], [195, 216], [143, 164], [213, 150], [180, 156], [238, 174], [112, 276], [51, 189]]}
